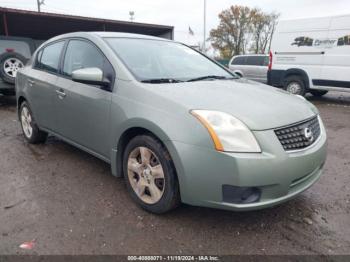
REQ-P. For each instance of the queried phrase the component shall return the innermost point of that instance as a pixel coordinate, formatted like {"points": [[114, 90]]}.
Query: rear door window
{"points": [[252, 60], [257, 60], [49, 57]]}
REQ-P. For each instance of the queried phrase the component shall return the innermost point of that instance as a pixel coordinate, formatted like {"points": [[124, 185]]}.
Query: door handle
{"points": [[61, 94], [31, 82]]}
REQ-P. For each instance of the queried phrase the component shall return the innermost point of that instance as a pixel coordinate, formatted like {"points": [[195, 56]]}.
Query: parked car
{"points": [[178, 126], [14, 54], [311, 55], [253, 67]]}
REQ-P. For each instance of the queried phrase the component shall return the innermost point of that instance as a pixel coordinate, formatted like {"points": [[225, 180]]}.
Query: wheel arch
{"points": [[20, 100], [297, 72], [130, 130]]}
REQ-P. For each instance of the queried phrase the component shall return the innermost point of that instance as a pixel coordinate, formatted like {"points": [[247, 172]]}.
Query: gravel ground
{"points": [[68, 203]]}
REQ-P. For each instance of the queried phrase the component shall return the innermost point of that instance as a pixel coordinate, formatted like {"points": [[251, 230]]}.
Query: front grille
{"points": [[300, 135]]}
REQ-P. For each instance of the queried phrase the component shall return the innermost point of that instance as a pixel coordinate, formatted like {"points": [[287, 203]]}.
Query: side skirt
{"points": [[91, 152]]}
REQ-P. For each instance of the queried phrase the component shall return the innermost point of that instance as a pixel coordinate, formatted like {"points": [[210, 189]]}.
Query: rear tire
{"points": [[150, 175], [318, 93], [31, 131], [295, 85]]}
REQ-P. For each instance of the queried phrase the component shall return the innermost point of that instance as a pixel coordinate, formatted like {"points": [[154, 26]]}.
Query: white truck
{"points": [[311, 55]]}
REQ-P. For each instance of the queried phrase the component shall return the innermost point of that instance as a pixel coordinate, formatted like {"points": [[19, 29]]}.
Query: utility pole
{"points": [[205, 26], [39, 3], [132, 16]]}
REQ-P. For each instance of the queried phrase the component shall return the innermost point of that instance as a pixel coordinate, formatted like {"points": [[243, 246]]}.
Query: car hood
{"points": [[259, 106]]}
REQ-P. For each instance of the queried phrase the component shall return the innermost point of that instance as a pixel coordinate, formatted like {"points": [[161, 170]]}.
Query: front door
{"points": [[83, 111]]}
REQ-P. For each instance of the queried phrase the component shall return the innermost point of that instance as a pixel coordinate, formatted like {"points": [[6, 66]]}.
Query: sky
{"points": [[183, 14]]}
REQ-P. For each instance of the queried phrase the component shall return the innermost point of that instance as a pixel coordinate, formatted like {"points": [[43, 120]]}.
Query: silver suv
{"points": [[14, 54], [253, 67]]}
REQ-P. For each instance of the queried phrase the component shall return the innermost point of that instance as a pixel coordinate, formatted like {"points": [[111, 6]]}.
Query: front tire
{"points": [[31, 131], [150, 175], [318, 93], [295, 85]]}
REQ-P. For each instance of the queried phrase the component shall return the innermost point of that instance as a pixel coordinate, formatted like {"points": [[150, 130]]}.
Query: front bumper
{"points": [[278, 174]]}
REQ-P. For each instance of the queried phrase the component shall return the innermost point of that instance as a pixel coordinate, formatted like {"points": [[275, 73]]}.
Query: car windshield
{"points": [[158, 61]]}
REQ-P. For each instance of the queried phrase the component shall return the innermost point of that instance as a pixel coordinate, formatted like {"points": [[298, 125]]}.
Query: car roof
{"points": [[108, 34], [251, 55], [125, 35]]}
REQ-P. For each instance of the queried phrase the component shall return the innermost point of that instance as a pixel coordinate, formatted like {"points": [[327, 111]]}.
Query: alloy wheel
{"points": [[146, 175], [11, 66], [26, 120]]}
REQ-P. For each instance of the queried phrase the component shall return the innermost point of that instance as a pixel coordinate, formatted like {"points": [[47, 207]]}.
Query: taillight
{"points": [[9, 50], [270, 60]]}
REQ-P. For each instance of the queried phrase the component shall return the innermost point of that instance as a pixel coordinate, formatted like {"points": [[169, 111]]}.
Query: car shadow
{"points": [[7, 101], [294, 209], [336, 98]]}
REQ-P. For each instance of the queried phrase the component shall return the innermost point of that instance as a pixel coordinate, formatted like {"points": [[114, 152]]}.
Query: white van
{"points": [[311, 55]]}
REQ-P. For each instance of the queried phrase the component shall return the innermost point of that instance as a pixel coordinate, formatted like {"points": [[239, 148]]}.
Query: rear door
{"points": [[253, 68], [41, 84], [335, 72], [83, 111]]}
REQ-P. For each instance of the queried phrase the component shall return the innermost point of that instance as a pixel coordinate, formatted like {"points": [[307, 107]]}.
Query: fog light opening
{"points": [[240, 195]]}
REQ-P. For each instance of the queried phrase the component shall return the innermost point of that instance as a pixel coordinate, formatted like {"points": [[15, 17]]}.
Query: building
{"points": [[42, 26]]}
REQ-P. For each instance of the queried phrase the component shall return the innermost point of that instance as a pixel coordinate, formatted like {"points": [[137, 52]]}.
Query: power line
{"points": [[205, 25]]}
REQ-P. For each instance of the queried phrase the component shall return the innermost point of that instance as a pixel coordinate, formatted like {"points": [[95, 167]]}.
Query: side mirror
{"points": [[90, 76], [238, 74]]}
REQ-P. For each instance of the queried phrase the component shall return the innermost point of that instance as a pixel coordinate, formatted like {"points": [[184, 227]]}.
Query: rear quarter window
{"points": [[266, 61]]}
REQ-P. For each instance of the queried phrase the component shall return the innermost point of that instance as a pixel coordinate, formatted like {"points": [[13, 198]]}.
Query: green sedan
{"points": [[175, 124]]}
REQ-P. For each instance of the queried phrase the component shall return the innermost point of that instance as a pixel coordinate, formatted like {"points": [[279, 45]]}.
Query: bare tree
{"points": [[263, 26], [243, 29]]}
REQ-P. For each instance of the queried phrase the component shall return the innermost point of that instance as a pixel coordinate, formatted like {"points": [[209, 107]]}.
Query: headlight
{"points": [[227, 132]]}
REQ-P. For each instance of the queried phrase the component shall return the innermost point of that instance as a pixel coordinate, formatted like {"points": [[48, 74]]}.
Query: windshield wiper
{"points": [[210, 77], [161, 80]]}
